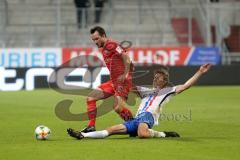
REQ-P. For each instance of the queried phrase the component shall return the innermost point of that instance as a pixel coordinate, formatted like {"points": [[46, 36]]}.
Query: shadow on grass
{"points": [[184, 139], [126, 138]]}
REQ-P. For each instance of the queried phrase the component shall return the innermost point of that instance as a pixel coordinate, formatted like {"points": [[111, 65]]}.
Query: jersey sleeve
{"points": [[169, 90], [173, 89], [143, 91], [114, 47], [167, 93]]}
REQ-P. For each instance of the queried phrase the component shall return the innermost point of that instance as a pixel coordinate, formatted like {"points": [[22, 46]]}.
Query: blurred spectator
{"points": [[99, 4], [82, 14]]}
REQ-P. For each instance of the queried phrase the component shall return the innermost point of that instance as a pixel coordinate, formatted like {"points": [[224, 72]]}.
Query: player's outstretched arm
{"points": [[127, 63], [202, 70]]}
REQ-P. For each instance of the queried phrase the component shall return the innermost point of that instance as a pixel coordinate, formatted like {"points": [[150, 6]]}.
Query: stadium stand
{"points": [[181, 29], [45, 23], [36, 22]]}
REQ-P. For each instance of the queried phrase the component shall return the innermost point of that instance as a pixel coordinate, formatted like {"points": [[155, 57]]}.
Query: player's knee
{"points": [[117, 108], [143, 135], [89, 99]]}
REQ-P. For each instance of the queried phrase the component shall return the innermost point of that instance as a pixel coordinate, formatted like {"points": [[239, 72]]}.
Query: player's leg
{"points": [[146, 122], [105, 90], [117, 129], [163, 134], [121, 93], [92, 98], [145, 132], [121, 109]]}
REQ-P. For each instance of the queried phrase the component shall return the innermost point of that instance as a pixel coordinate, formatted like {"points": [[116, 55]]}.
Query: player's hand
{"points": [[121, 78], [205, 67]]}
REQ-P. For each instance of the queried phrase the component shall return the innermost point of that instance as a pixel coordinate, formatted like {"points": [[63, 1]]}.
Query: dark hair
{"points": [[99, 29], [165, 71]]}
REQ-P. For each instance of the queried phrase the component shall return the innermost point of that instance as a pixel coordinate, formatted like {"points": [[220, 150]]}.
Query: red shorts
{"points": [[117, 89]]}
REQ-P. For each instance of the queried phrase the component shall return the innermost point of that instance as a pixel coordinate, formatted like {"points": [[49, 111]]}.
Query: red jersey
{"points": [[112, 55]]}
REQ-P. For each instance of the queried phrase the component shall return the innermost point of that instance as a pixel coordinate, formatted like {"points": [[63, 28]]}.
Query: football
{"points": [[42, 132]]}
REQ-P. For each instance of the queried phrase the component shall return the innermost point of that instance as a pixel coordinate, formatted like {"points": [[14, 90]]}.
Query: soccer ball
{"points": [[42, 132]]}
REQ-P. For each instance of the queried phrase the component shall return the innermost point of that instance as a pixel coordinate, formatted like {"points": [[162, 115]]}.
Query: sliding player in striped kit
{"points": [[148, 113]]}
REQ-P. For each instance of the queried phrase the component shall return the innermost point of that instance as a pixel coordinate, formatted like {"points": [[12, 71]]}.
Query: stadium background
{"points": [[37, 36]]}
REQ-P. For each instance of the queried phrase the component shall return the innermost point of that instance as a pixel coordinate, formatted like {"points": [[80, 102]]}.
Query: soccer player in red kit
{"points": [[120, 83]]}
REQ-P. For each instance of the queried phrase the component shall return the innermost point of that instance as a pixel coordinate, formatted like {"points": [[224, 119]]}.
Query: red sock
{"points": [[92, 111], [126, 114]]}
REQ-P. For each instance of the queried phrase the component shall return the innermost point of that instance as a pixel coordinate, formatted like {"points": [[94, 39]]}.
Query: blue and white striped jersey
{"points": [[153, 100]]}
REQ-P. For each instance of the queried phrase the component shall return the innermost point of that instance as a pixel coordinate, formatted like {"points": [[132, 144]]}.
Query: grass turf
{"points": [[206, 117]]}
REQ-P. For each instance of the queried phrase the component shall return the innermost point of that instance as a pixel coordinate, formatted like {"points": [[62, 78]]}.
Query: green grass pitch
{"points": [[207, 118]]}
